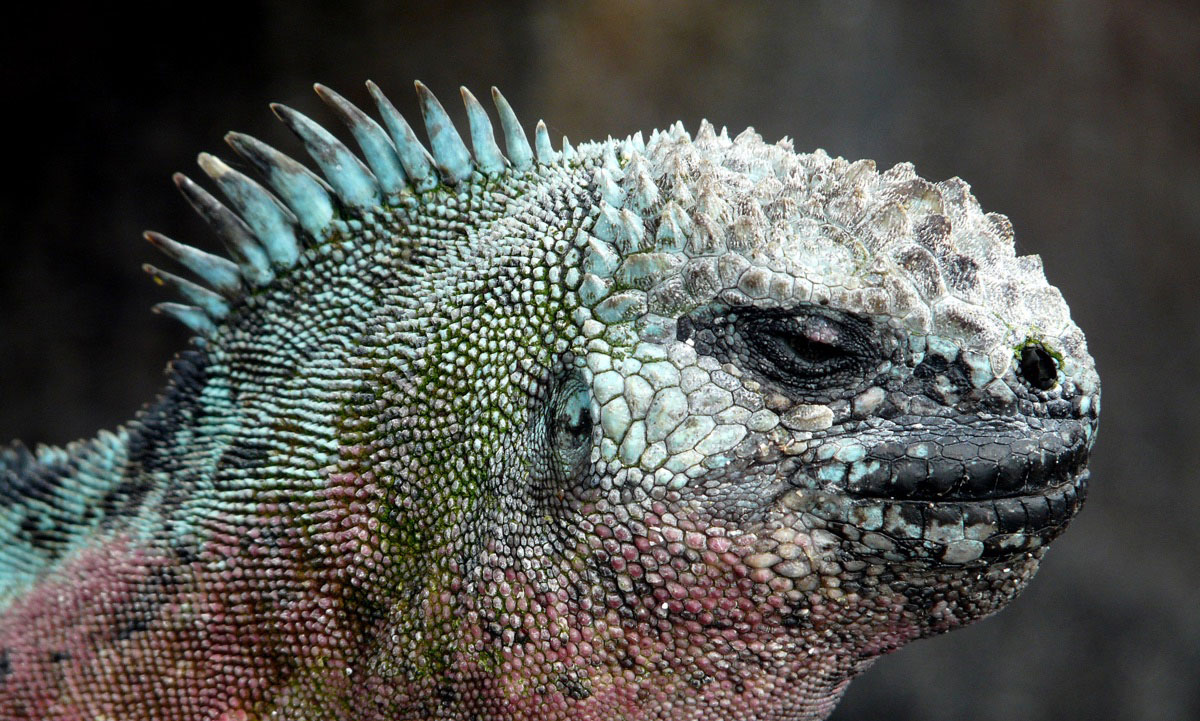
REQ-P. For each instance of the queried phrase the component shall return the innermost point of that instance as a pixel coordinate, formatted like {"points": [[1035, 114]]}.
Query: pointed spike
{"points": [[377, 148], [643, 193], [600, 258], [354, 184], [212, 304], [568, 152], [515, 141], [233, 232], [621, 227], [610, 160], [709, 237], [676, 217], [191, 316], [669, 235], [541, 141], [749, 135], [449, 151], [632, 230], [218, 272], [301, 191], [709, 202], [681, 192], [747, 229], [677, 163], [272, 224], [609, 190], [483, 138], [608, 225], [638, 143], [417, 162]]}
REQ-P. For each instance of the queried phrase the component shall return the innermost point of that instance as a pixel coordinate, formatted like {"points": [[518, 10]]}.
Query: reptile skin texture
{"points": [[687, 427]]}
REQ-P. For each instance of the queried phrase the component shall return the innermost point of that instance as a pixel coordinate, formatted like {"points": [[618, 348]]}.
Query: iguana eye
{"points": [[806, 352], [798, 346], [812, 344], [570, 423]]}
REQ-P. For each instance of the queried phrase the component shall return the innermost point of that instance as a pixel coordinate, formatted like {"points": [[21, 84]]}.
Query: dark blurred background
{"points": [[1080, 120]]}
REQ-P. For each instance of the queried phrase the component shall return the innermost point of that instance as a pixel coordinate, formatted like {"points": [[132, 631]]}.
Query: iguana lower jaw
{"points": [[949, 532]]}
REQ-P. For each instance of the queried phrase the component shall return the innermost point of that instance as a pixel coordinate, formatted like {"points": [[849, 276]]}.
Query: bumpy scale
{"points": [[683, 428]]}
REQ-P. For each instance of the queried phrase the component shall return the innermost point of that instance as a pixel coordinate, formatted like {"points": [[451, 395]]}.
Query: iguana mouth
{"points": [[976, 495], [987, 530]]}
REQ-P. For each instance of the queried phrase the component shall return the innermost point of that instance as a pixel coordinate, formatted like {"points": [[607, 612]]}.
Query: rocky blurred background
{"points": [[1080, 120]]}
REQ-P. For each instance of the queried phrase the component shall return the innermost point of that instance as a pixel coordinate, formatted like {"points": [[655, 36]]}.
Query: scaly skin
{"points": [[688, 429]]}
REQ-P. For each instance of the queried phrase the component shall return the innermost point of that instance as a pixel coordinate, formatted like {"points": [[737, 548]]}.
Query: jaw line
{"points": [[951, 532]]}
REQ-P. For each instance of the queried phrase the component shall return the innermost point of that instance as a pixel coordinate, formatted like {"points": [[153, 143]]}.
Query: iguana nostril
{"points": [[1038, 367]]}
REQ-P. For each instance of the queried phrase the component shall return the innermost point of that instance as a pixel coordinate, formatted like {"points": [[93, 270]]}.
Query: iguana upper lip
{"points": [[950, 492], [953, 464]]}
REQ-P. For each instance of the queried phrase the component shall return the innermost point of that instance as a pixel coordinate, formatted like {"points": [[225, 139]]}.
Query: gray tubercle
{"points": [[483, 138], [612, 193], [639, 143], [707, 134], [299, 189], [239, 240], [212, 304], [353, 183], [519, 152], [372, 139], [632, 231], [417, 162], [609, 156], [608, 224], [272, 224], [450, 153], [643, 192], [673, 227], [218, 272]]}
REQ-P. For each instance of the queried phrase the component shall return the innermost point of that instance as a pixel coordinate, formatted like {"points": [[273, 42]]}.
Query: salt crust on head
{"points": [[889, 244]]}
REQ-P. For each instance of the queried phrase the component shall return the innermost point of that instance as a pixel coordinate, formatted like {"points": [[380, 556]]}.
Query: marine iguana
{"points": [[665, 428]]}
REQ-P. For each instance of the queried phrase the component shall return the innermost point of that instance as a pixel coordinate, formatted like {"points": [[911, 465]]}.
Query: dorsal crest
{"points": [[265, 224]]}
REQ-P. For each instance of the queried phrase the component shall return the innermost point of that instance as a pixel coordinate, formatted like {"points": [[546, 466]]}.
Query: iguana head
{"points": [[684, 428], [810, 411]]}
